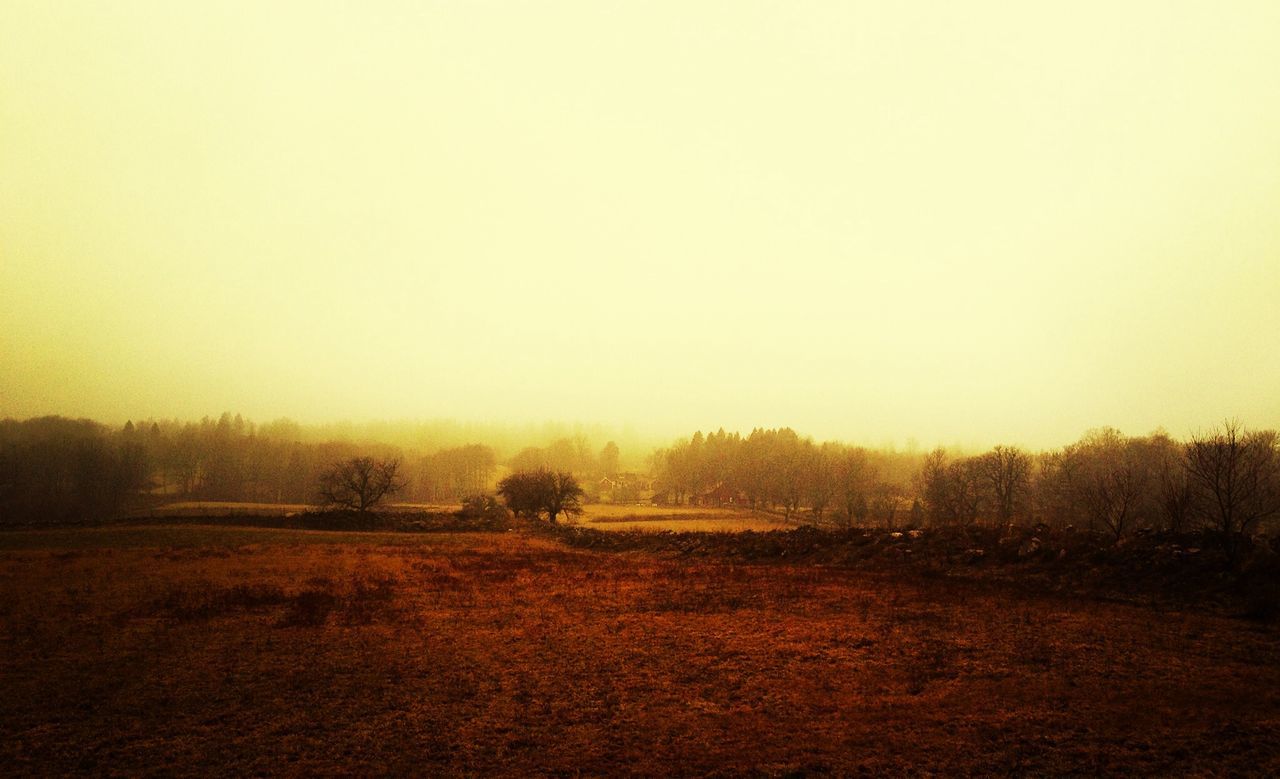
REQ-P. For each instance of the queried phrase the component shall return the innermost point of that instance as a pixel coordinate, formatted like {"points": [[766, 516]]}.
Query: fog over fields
{"points": [[965, 225], [671, 388]]}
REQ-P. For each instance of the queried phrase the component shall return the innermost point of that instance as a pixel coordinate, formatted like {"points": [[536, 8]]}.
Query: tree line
{"points": [[60, 470], [1226, 479], [778, 469], [54, 469]]}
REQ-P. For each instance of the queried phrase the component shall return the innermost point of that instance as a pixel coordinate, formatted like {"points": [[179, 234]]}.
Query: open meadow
{"points": [[221, 509], [603, 516], [262, 651]]}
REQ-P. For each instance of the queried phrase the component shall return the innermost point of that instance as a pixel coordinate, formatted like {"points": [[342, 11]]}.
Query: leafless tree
{"points": [[456, 473], [822, 477], [964, 491], [360, 483], [1109, 477], [1235, 476], [1053, 487], [930, 483], [884, 499], [1173, 493], [788, 470], [1006, 472], [853, 476], [952, 492]]}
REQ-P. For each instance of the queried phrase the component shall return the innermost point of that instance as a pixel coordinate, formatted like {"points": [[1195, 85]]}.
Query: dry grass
{"points": [[220, 508], [677, 518], [607, 511], [198, 650]]}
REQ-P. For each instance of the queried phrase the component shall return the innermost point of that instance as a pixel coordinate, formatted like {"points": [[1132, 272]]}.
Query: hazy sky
{"points": [[959, 222]]}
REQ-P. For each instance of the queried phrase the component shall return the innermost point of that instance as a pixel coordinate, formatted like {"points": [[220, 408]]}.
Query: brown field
{"points": [[677, 518], [219, 508], [193, 649], [602, 516], [224, 508]]}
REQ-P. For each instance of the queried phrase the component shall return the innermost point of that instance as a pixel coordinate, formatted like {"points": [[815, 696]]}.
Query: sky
{"points": [[973, 223]]}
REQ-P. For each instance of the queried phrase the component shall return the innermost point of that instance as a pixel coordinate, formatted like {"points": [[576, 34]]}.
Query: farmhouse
{"points": [[625, 488]]}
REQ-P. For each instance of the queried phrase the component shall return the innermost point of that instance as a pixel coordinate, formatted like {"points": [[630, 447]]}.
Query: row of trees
{"points": [[230, 459], [777, 469], [456, 473], [995, 484], [1109, 481], [58, 470], [1228, 478], [54, 469], [362, 483], [461, 472], [571, 455]]}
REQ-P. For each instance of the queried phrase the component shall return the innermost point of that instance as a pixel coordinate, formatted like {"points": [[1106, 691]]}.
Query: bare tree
{"points": [[1173, 493], [1052, 488], [931, 486], [1006, 471], [822, 477], [457, 473], [788, 466], [360, 483], [853, 477], [1235, 476], [884, 498], [952, 492], [964, 491], [1109, 478]]}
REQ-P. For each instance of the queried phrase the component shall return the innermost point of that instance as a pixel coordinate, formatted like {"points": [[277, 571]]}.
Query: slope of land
{"points": [[252, 651]]}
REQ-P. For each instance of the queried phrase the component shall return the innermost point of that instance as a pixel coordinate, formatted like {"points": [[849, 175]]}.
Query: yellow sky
{"points": [[958, 222]]}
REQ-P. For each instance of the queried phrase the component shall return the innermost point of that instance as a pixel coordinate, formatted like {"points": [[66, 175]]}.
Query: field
{"points": [[256, 651], [220, 508], [601, 516], [677, 518]]}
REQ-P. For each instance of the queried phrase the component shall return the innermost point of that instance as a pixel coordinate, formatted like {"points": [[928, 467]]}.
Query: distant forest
{"points": [[1226, 480], [54, 469]]}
